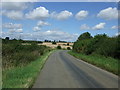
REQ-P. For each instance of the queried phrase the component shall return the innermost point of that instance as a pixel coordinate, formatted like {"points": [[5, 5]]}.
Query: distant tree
{"points": [[46, 40], [20, 39], [62, 41], [100, 36], [68, 48], [58, 47], [7, 38], [40, 42], [68, 44], [84, 36], [49, 40], [14, 39], [53, 42]]}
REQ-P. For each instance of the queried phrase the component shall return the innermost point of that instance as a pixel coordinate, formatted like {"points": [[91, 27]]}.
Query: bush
{"points": [[100, 44], [53, 42], [67, 44], [15, 54], [58, 47], [68, 48], [84, 36], [80, 46], [107, 48]]}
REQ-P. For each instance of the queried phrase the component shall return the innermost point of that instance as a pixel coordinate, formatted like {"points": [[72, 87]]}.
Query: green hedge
{"points": [[99, 44], [15, 54]]}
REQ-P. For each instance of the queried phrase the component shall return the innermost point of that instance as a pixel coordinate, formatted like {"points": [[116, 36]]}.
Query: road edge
{"points": [[43, 63], [102, 69]]}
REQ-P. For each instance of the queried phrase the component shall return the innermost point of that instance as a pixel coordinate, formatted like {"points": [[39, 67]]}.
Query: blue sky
{"points": [[60, 20]]}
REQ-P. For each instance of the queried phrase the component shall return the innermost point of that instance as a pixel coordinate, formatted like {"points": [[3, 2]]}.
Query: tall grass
{"points": [[99, 44], [22, 63], [24, 77], [103, 62], [15, 54]]}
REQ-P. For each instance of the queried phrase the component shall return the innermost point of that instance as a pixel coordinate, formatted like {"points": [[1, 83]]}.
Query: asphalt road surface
{"points": [[64, 71]]}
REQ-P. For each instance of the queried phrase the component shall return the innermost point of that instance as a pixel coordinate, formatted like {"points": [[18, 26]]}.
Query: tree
{"points": [[58, 47], [84, 36], [53, 42], [67, 44], [68, 48], [7, 38], [101, 36], [39, 42]]}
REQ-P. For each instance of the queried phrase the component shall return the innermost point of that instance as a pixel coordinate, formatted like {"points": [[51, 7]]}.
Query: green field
{"points": [[107, 63], [21, 64], [24, 77]]}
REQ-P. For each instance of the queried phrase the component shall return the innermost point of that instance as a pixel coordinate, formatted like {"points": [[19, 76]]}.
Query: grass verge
{"points": [[24, 77], [107, 63]]}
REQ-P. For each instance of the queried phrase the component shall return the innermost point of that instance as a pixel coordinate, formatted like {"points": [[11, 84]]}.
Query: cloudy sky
{"points": [[58, 20]]}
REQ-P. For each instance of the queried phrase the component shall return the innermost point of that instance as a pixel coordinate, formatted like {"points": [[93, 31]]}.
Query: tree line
{"points": [[15, 54], [100, 44]]}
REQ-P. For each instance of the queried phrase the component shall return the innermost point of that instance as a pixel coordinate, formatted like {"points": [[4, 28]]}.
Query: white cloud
{"points": [[17, 6], [16, 15], [81, 15], [38, 13], [42, 23], [36, 28], [14, 10], [11, 31], [99, 26], [84, 27], [63, 15], [117, 34], [50, 35], [12, 26], [59, 35], [19, 30], [114, 27], [108, 13]]}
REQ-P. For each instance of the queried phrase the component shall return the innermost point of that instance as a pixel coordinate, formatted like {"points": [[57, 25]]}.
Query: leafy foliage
{"points": [[106, 63], [15, 54], [100, 44], [68, 48], [84, 36], [58, 47], [53, 42], [67, 44]]}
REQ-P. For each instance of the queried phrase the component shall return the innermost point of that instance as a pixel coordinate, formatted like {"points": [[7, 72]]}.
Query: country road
{"points": [[62, 70]]}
